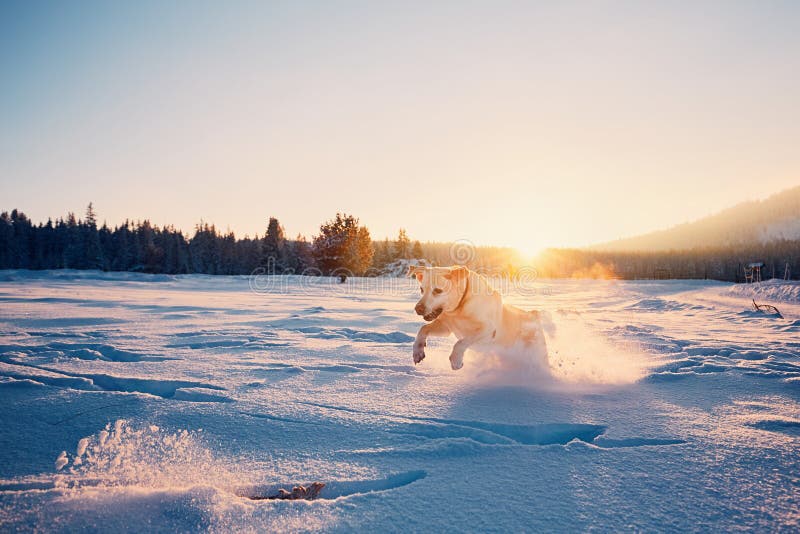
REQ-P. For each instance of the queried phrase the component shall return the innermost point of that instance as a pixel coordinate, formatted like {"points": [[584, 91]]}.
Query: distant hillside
{"points": [[750, 223]]}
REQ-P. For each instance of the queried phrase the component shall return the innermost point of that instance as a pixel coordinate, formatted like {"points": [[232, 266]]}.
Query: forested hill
{"points": [[718, 247], [759, 222]]}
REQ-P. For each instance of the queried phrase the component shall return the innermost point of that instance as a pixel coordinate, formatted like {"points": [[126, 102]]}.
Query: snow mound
{"points": [[399, 268], [770, 290]]}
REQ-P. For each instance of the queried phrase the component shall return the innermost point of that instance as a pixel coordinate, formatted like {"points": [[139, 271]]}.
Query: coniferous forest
{"points": [[344, 245], [780, 259], [73, 243]]}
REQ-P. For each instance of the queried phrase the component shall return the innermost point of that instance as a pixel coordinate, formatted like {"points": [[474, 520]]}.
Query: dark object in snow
{"points": [[298, 493], [342, 278], [766, 308], [752, 272]]}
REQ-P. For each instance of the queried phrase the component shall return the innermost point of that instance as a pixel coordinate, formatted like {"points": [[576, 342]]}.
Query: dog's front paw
{"points": [[419, 352], [456, 361]]}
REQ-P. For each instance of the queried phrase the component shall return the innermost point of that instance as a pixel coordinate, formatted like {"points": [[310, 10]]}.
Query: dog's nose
{"points": [[419, 308]]}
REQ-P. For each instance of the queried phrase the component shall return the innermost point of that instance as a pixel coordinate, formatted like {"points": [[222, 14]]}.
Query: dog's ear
{"points": [[415, 271], [456, 273]]}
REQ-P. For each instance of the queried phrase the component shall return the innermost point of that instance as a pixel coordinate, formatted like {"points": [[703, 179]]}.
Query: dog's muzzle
{"points": [[432, 315]]}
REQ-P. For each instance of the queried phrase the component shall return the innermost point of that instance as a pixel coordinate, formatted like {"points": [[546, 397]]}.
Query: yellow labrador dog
{"points": [[459, 301]]}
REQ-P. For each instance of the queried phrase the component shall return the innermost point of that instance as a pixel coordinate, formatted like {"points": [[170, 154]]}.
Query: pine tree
{"points": [[106, 241], [73, 248], [402, 247], [416, 251], [274, 248], [22, 230], [205, 250], [92, 253], [250, 254], [342, 245], [6, 241], [301, 258], [227, 249], [363, 251], [121, 238], [383, 254]]}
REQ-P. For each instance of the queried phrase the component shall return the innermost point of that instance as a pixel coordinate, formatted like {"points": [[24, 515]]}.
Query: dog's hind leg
{"points": [[435, 328]]}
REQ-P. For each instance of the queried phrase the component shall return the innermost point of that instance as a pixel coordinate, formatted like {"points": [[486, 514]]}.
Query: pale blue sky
{"points": [[514, 123]]}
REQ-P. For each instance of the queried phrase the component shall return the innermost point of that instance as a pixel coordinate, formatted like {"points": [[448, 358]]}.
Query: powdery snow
{"points": [[162, 403], [769, 290]]}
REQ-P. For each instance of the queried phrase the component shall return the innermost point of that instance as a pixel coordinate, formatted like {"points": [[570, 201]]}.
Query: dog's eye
{"points": [[437, 291]]}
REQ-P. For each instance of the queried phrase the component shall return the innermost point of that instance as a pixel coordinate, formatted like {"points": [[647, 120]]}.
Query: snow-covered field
{"points": [[668, 406]]}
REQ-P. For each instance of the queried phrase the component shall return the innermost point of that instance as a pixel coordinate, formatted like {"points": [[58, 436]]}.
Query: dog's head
{"points": [[442, 289]]}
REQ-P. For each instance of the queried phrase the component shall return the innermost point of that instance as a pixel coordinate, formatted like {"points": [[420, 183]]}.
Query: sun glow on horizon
{"points": [[528, 253], [532, 125]]}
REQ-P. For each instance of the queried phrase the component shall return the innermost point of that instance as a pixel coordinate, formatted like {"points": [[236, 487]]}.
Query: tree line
{"points": [[725, 263], [342, 245]]}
